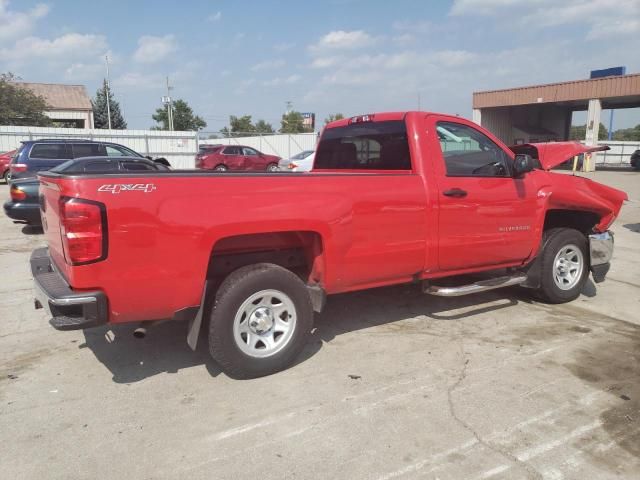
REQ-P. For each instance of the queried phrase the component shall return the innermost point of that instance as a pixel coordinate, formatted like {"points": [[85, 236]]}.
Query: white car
{"points": [[302, 162]]}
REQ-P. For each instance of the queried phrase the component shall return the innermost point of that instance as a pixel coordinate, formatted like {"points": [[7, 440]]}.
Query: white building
{"points": [[69, 105]]}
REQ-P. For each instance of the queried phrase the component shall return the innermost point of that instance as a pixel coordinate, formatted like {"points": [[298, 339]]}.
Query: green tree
{"points": [[333, 117], [100, 110], [579, 132], [264, 127], [19, 105], [244, 127], [183, 118], [292, 122], [628, 134]]}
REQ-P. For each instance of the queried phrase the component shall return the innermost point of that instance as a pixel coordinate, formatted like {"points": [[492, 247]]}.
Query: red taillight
{"points": [[83, 230], [16, 194], [17, 167]]}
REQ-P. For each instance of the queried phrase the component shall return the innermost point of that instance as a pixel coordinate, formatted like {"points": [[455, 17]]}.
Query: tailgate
{"points": [[50, 211]]}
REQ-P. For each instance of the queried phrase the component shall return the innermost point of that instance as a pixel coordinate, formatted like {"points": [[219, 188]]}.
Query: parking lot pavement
{"points": [[394, 384]]}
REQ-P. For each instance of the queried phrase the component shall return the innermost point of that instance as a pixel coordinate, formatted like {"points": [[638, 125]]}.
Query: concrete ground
{"points": [[394, 384]]}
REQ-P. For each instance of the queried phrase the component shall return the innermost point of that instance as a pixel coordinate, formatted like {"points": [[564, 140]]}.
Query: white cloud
{"points": [[283, 47], [19, 24], [279, 81], [152, 49], [214, 17], [343, 40], [68, 47], [601, 18], [489, 7], [139, 80], [268, 65], [325, 62]]}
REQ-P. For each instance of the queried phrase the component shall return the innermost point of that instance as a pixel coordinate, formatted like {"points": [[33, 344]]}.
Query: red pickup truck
{"points": [[393, 198]]}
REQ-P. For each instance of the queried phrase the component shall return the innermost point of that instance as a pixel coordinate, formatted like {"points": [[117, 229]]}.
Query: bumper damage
{"points": [[69, 309]]}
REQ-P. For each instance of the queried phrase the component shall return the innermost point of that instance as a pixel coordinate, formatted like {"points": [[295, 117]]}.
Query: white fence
{"points": [[619, 155], [282, 145], [179, 148]]}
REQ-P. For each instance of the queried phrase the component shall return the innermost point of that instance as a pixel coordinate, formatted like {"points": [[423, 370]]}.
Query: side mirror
{"points": [[522, 164]]}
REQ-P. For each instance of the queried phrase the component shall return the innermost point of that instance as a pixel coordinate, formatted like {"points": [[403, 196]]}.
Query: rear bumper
{"points": [[24, 212], [600, 251], [69, 309]]}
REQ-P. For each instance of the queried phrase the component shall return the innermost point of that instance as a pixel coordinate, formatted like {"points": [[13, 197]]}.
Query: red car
{"points": [[236, 158], [400, 197], [5, 160]]}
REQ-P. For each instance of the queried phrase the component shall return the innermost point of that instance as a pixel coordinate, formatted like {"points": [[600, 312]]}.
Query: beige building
{"points": [[69, 105], [543, 112]]}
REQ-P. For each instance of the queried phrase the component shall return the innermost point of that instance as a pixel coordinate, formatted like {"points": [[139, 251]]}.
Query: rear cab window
{"points": [[370, 145]]}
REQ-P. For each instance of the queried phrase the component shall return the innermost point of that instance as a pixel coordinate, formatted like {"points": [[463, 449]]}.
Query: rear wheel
{"points": [[221, 168], [260, 321], [272, 167], [564, 267], [5, 176]]}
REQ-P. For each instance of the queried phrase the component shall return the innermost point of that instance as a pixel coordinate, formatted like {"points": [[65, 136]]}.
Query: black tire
{"points": [[272, 167], [232, 294], [5, 177], [554, 241], [220, 168]]}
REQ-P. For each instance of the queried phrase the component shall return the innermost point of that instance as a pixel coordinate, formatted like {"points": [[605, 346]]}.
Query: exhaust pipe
{"points": [[140, 333]]}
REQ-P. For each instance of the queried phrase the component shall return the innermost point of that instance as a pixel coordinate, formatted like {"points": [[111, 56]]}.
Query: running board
{"points": [[480, 286]]}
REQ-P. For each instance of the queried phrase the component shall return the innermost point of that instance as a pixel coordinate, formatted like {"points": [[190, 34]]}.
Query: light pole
{"points": [[169, 103], [107, 92]]}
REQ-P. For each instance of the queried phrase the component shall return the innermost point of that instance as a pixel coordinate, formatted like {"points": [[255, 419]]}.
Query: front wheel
{"points": [[564, 267], [272, 167], [260, 322]]}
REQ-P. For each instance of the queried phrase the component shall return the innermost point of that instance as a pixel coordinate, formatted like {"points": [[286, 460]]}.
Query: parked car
{"points": [[235, 158], [395, 197], [35, 156], [302, 162], [635, 159], [24, 207], [5, 160]]}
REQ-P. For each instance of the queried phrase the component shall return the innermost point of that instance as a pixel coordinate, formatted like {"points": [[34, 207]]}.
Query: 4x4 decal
{"points": [[128, 187]]}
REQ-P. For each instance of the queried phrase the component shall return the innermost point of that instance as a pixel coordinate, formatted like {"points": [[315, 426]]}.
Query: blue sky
{"points": [[350, 56]]}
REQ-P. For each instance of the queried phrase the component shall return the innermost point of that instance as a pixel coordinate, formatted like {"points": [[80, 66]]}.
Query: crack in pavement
{"points": [[513, 459]]}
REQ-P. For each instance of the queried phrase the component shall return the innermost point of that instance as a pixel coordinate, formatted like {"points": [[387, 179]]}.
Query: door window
{"points": [[136, 166], [232, 151], [101, 166], [114, 151], [88, 150], [249, 151], [470, 153]]}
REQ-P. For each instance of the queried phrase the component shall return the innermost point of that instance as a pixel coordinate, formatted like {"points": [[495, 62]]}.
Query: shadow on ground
{"points": [[164, 349], [634, 227]]}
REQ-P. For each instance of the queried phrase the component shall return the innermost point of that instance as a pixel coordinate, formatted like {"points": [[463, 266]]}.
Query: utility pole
{"points": [[107, 92], [169, 106], [289, 104]]}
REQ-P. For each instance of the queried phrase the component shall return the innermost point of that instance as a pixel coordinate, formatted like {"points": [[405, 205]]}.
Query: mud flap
{"points": [[196, 323]]}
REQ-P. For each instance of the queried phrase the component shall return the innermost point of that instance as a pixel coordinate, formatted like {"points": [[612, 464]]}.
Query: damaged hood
{"points": [[552, 154]]}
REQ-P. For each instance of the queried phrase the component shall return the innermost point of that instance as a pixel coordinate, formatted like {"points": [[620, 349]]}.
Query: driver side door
{"points": [[486, 217]]}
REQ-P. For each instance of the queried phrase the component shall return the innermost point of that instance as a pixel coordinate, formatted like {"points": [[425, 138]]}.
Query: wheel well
{"points": [[580, 220], [301, 252]]}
